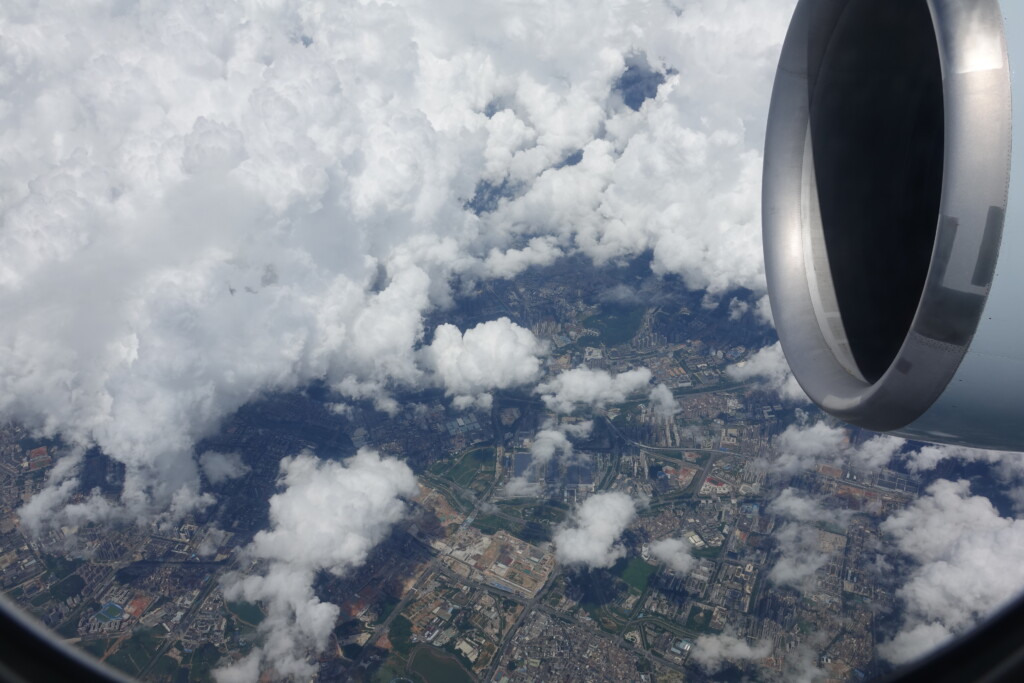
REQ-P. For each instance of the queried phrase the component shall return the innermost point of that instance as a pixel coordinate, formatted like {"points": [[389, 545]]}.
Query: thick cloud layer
{"points": [[968, 561], [591, 537], [202, 202], [329, 517]]}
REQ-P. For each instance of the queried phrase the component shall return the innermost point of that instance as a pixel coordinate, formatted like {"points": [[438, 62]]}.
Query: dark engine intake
{"points": [[886, 183]]}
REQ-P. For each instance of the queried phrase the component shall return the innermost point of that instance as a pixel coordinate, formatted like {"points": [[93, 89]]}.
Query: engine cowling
{"points": [[896, 291]]}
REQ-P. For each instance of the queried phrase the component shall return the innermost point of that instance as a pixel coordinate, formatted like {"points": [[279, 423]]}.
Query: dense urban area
{"points": [[468, 587]]}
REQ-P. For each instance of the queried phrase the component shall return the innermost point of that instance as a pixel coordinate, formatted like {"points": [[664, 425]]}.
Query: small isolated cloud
{"points": [[591, 537], [540, 251], [738, 308], [663, 402], [329, 516], [493, 355], [797, 506], [550, 442], [212, 542], [770, 365], [675, 553], [596, 388], [968, 561], [220, 467], [710, 652]]}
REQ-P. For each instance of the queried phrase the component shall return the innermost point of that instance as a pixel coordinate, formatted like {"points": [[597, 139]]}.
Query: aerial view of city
{"points": [[704, 531], [414, 341]]}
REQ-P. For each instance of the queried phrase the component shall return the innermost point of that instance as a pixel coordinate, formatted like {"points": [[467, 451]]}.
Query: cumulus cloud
{"points": [[493, 355], [329, 517], [220, 467], [540, 251], [675, 553], [793, 504], [591, 537], [770, 365], [663, 402], [801, 447], [798, 540], [967, 559], [710, 652], [800, 556], [202, 204], [552, 441], [738, 308], [596, 388], [763, 311]]}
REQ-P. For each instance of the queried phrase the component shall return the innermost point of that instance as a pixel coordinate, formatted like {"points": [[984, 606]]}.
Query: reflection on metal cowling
{"points": [[887, 167]]}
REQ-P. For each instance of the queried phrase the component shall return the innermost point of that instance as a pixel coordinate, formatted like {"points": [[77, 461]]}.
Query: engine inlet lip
{"points": [[977, 136]]}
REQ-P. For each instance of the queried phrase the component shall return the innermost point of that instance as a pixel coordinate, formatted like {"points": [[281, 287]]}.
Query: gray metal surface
{"points": [[984, 403], [934, 358]]}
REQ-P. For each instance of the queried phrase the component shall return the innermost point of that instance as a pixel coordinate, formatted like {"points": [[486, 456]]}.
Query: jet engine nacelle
{"points": [[889, 176]]}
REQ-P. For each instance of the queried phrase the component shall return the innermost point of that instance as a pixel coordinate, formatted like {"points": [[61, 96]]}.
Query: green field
{"points": [[471, 465], [68, 587], [699, 619], [400, 634], [635, 572], [201, 663], [61, 567], [97, 648], [615, 324], [430, 666], [247, 612], [534, 511], [135, 653], [531, 532], [164, 669]]}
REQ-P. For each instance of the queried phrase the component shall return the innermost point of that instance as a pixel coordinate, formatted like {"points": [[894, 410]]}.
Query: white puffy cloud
{"points": [[553, 440], [792, 504], [596, 388], [201, 203], [540, 251], [329, 516], [663, 402], [493, 355], [763, 311], [802, 447], [967, 559], [590, 537], [798, 539], [770, 365], [212, 542], [675, 553], [220, 467], [710, 652], [737, 308]]}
